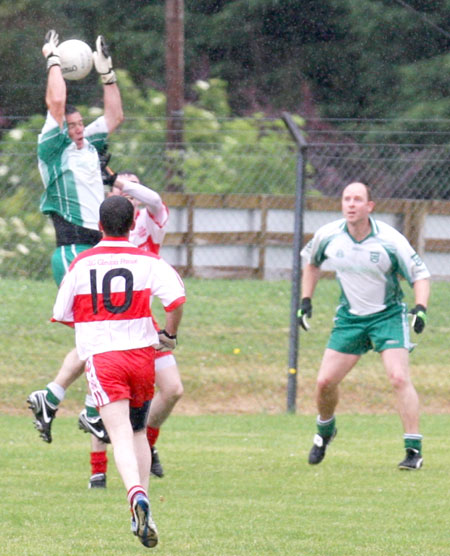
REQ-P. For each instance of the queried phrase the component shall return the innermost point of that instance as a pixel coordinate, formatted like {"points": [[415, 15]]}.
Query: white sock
{"points": [[89, 401], [326, 421], [57, 390], [411, 436]]}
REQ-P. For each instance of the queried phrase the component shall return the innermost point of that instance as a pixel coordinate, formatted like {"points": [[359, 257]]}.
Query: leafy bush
{"points": [[25, 249], [251, 155]]}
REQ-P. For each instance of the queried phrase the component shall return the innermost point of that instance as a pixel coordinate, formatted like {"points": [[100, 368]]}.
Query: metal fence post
{"points": [[296, 263]]}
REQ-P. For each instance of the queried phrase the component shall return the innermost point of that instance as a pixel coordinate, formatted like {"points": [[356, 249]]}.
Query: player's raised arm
{"points": [[111, 95], [56, 92], [145, 195]]}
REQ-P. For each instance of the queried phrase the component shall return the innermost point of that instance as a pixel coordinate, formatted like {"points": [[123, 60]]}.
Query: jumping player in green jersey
{"points": [[69, 164], [367, 256]]}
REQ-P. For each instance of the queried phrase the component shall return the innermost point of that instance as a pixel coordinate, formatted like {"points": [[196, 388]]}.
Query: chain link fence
{"points": [[240, 159], [230, 187]]}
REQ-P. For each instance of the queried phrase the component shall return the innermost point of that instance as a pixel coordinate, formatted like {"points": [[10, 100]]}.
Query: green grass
{"points": [[237, 482], [221, 315], [234, 486]]}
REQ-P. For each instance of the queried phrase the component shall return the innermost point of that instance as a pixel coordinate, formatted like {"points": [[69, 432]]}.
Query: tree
{"points": [[357, 58]]}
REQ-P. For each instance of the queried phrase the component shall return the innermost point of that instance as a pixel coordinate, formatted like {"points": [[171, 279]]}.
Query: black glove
{"points": [[166, 341], [304, 311], [108, 176], [419, 319]]}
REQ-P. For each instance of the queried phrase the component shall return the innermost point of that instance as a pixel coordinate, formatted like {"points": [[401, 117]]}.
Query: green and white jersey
{"points": [[72, 177], [367, 270]]}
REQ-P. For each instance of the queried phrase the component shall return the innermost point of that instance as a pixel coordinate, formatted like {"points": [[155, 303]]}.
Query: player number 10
{"points": [[106, 289]]}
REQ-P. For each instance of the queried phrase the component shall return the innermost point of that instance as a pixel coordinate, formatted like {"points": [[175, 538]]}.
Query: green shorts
{"points": [[62, 257], [388, 329]]}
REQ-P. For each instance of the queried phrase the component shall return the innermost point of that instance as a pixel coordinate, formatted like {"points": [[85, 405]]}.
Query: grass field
{"points": [[234, 486], [237, 482], [221, 315]]}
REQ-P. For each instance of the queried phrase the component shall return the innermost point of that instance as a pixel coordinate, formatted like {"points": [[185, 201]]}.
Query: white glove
{"points": [[103, 62], [166, 341], [50, 49]]}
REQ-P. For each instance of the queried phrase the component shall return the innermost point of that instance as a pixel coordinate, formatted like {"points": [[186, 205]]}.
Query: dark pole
{"points": [[296, 263], [174, 16]]}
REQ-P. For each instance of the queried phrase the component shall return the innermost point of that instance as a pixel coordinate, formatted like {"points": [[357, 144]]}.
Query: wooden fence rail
{"points": [[411, 214]]}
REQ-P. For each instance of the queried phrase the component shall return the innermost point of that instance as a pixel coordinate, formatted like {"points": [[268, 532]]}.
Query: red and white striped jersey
{"points": [[149, 230], [106, 294]]}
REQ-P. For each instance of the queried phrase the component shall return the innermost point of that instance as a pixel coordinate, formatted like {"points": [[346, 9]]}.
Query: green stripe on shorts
{"points": [[62, 258]]}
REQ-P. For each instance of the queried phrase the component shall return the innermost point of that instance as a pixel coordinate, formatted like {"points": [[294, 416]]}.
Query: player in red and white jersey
{"points": [[151, 219], [91, 297], [106, 296], [151, 215]]}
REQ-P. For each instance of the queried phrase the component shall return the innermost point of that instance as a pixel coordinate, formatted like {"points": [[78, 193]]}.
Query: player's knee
{"points": [[399, 380], [178, 391], [325, 384], [172, 392], [175, 394]]}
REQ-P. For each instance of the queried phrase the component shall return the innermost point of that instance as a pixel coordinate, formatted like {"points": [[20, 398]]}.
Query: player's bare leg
{"points": [[333, 369], [71, 369], [132, 457], [169, 391], [396, 363]]}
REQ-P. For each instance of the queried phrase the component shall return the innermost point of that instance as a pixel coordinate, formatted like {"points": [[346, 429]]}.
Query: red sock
{"points": [[99, 462], [152, 435], [132, 493]]}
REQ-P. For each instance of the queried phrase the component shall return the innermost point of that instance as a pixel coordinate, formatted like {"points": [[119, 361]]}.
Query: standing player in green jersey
{"points": [[70, 169], [367, 255]]}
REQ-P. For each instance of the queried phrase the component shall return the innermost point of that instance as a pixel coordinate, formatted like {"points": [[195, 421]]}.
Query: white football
{"points": [[76, 59]]}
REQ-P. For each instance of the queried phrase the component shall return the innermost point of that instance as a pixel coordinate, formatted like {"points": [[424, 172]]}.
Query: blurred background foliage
{"points": [[247, 155], [332, 58], [333, 64]]}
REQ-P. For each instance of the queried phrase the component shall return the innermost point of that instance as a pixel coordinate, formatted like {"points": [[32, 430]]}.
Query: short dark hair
{"points": [[116, 216], [70, 109]]}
